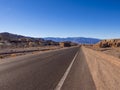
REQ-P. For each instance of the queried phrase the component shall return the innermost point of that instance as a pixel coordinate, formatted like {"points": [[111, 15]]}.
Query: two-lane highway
{"points": [[75, 68], [41, 72]]}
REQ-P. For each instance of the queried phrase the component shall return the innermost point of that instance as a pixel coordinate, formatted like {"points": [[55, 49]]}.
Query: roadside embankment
{"points": [[105, 69]]}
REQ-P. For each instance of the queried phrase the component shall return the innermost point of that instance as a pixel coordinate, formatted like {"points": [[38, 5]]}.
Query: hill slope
{"points": [[10, 36], [14, 40]]}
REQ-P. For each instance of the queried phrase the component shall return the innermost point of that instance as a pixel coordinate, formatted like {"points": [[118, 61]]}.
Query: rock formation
{"points": [[108, 43]]}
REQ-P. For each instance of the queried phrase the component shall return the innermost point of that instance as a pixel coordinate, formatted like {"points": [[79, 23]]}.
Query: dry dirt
{"points": [[105, 69], [13, 52], [110, 51]]}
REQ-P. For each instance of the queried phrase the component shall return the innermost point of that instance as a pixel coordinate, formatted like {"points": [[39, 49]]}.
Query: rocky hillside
{"points": [[108, 43], [13, 40]]}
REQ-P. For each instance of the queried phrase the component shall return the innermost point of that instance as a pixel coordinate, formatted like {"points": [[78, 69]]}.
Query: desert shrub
{"points": [[1, 57], [13, 55]]}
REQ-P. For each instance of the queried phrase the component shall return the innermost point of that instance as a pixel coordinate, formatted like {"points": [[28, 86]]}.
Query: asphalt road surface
{"points": [[87, 70], [41, 72]]}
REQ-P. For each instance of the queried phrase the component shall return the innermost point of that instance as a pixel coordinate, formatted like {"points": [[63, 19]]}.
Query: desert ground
{"points": [[112, 51], [13, 52]]}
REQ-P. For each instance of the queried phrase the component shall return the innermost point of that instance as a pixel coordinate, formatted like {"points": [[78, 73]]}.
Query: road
{"points": [[41, 72], [90, 70]]}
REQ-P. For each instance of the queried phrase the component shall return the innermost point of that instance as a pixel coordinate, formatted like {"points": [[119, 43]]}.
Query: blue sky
{"points": [[61, 18]]}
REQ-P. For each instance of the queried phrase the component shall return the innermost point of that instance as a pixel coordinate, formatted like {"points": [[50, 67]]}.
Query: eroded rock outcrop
{"points": [[108, 43]]}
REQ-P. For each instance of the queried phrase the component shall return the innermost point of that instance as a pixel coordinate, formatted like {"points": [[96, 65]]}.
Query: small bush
{"points": [[13, 55], [1, 57]]}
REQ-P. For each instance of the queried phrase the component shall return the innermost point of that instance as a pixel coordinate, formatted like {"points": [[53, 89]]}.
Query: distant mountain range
{"points": [[80, 40]]}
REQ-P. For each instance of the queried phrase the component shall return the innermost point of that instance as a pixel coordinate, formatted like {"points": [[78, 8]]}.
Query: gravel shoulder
{"points": [[105, 69]]}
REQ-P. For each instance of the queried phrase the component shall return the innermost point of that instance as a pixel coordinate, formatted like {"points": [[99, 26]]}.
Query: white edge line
{"points": [[59, 86]]}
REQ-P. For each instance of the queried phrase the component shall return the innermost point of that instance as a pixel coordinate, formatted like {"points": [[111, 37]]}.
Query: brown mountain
{"points": [[14, 40]]}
